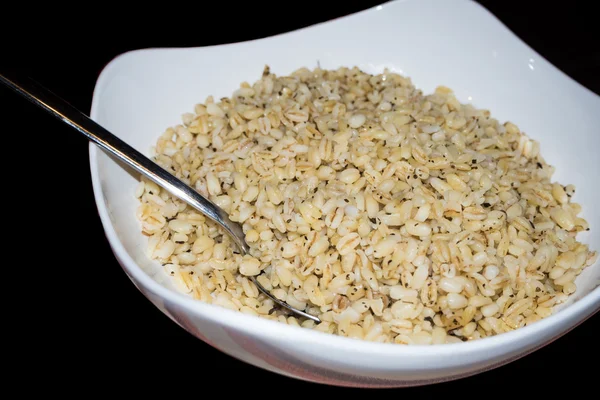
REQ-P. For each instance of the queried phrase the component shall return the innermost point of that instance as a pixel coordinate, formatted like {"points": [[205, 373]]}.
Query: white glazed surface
{"points": [[455, 43]]}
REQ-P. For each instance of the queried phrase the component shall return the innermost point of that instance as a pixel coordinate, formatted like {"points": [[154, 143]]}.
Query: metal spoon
{"points": [[110, 143]]}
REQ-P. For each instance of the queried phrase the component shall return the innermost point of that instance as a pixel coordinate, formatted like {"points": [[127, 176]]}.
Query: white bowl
{"points": [[456, 43]]}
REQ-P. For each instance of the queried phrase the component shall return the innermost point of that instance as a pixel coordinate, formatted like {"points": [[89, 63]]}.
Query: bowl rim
{"points": [[275, 330]]}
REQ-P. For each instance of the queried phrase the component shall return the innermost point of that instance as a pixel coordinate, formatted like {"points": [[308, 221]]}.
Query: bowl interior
{"points": [[141, 93]]}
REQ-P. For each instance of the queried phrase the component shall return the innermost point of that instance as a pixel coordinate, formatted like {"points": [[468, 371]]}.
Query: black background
{"points": [[74, 316]]}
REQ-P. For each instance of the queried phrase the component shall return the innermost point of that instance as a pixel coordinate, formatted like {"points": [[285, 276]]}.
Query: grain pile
{"points": [[392, 215]]}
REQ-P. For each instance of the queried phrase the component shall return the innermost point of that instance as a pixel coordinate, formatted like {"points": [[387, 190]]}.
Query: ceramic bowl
{"points": [[456, 43]]}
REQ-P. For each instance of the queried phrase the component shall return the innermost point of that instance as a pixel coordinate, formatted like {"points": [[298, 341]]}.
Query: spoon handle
{"points": [[58, 107]]}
